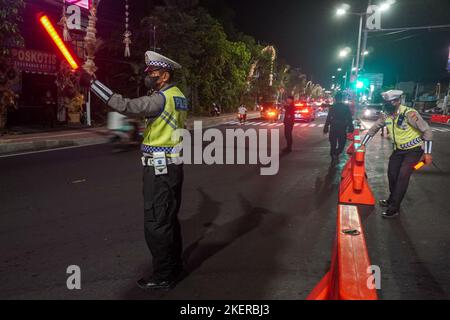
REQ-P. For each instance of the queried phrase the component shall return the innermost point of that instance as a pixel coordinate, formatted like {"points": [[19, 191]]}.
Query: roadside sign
{"points": [[373, 21]]}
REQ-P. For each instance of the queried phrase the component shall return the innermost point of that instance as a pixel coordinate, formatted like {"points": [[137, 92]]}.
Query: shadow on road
{"points": [[416, 272], [217, 238], [325, 186], [213, 239]]}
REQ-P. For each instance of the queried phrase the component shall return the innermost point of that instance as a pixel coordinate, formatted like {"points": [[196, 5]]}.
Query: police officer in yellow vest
{"points": [[412, 140], [166, 111]]}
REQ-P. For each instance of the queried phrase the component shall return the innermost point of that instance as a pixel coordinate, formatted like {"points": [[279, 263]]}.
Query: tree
{"points": [[10, 19], [214, 69]]}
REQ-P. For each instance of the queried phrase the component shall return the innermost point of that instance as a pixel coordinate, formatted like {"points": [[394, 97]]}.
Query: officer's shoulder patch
{"points": [[414, 116], [181, 103]]}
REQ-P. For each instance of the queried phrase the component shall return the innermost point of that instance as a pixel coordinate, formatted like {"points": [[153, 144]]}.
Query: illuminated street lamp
{"points": [[339, 69], [342, 10], [386, 5], [345, 52]]}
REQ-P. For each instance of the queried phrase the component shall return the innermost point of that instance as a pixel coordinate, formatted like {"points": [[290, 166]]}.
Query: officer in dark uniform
{"points": [[289, 119], [166, 111], [412, 141], [339, 122]]}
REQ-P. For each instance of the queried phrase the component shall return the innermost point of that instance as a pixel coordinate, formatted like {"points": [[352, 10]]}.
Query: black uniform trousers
{"points": [[288, 127], [162, 200], [338, 139], [401, 166]]}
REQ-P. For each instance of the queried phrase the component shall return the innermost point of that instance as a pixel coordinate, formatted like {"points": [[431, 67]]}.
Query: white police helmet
{"points": [[392, 95], [154, 60]]}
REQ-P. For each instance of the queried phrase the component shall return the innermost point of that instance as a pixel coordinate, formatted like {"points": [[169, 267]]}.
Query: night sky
{"points": [[309, 35]]}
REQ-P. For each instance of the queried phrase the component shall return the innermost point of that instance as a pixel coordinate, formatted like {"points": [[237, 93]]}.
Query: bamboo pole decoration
{"points": [[127, 34], [91, 43]]}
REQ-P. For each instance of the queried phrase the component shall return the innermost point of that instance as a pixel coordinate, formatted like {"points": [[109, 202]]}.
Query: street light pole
{"points": [[364, 47], [358, 51]]}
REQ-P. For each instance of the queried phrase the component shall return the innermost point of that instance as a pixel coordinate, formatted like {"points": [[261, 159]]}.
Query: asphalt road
{"points": [[246, 236]]}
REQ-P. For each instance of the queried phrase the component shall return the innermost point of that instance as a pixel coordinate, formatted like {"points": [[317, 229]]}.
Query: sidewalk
{"points": [[11, 144]]}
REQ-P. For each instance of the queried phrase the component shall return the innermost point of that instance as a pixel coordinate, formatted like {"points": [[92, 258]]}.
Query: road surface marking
{"points": [[50, 150], [304, 125], [279, 124], [272, 124], [312, 125], [321, 125], [55, 136], [296, 125]]}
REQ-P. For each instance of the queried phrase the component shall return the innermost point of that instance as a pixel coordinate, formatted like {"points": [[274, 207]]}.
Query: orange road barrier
{"points": [[355, 144], [354, 187], [349, 277], [439, 118]]}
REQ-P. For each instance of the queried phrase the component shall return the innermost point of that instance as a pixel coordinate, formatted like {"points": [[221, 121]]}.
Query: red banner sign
{"points": [[81, 3], [35, 61]]}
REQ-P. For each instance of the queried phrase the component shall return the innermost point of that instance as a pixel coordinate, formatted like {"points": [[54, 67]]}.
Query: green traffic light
{"points": [[359, 84]]}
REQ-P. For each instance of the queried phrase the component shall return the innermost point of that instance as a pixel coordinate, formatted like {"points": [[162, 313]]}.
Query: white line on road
{"points": [[55, 136], [321, 125], [272, 124], [312, 125], [440, 129], [50, 150], [296, 125], [279, 124], [304, 125]]}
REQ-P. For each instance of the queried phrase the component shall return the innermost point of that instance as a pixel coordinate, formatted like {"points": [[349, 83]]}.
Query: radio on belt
{"points": [[160, 163]]}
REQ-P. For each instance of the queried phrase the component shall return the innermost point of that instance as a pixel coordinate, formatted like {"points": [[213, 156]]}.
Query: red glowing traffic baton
{"points": [[419, 165], [45, 21]]}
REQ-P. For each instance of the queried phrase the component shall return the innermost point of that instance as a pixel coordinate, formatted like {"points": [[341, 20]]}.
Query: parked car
{"points": [[304, 112]]}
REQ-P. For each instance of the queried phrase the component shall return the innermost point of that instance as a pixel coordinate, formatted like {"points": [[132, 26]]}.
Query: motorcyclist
{"points": [[242, 111]]}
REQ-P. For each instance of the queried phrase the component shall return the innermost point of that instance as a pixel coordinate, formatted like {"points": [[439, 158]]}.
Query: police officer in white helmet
{"points": [[165, 110], [412, 141]]}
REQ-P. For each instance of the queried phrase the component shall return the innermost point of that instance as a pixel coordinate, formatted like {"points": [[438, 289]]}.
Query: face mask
{"points": [[389, 108], [151, 82]]}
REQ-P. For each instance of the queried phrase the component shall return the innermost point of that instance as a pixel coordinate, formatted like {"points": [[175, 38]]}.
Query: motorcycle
{"points": [[242, 117], [125, 132]]}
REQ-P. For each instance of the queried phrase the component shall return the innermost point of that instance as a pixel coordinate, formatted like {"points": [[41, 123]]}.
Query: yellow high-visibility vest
{"points": [[158, 134], [404, 136]]}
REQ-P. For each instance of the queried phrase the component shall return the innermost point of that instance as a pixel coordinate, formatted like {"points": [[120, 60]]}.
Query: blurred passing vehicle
{"points": [[270, 111], [372, 111]]}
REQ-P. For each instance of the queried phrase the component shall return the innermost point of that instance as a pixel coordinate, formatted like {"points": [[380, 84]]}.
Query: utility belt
{"points": [[148, 161], [416, 149]]}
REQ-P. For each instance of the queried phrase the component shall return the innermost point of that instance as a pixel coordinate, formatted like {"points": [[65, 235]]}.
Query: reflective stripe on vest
{"points": [[406, 136], [158, 135]]}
